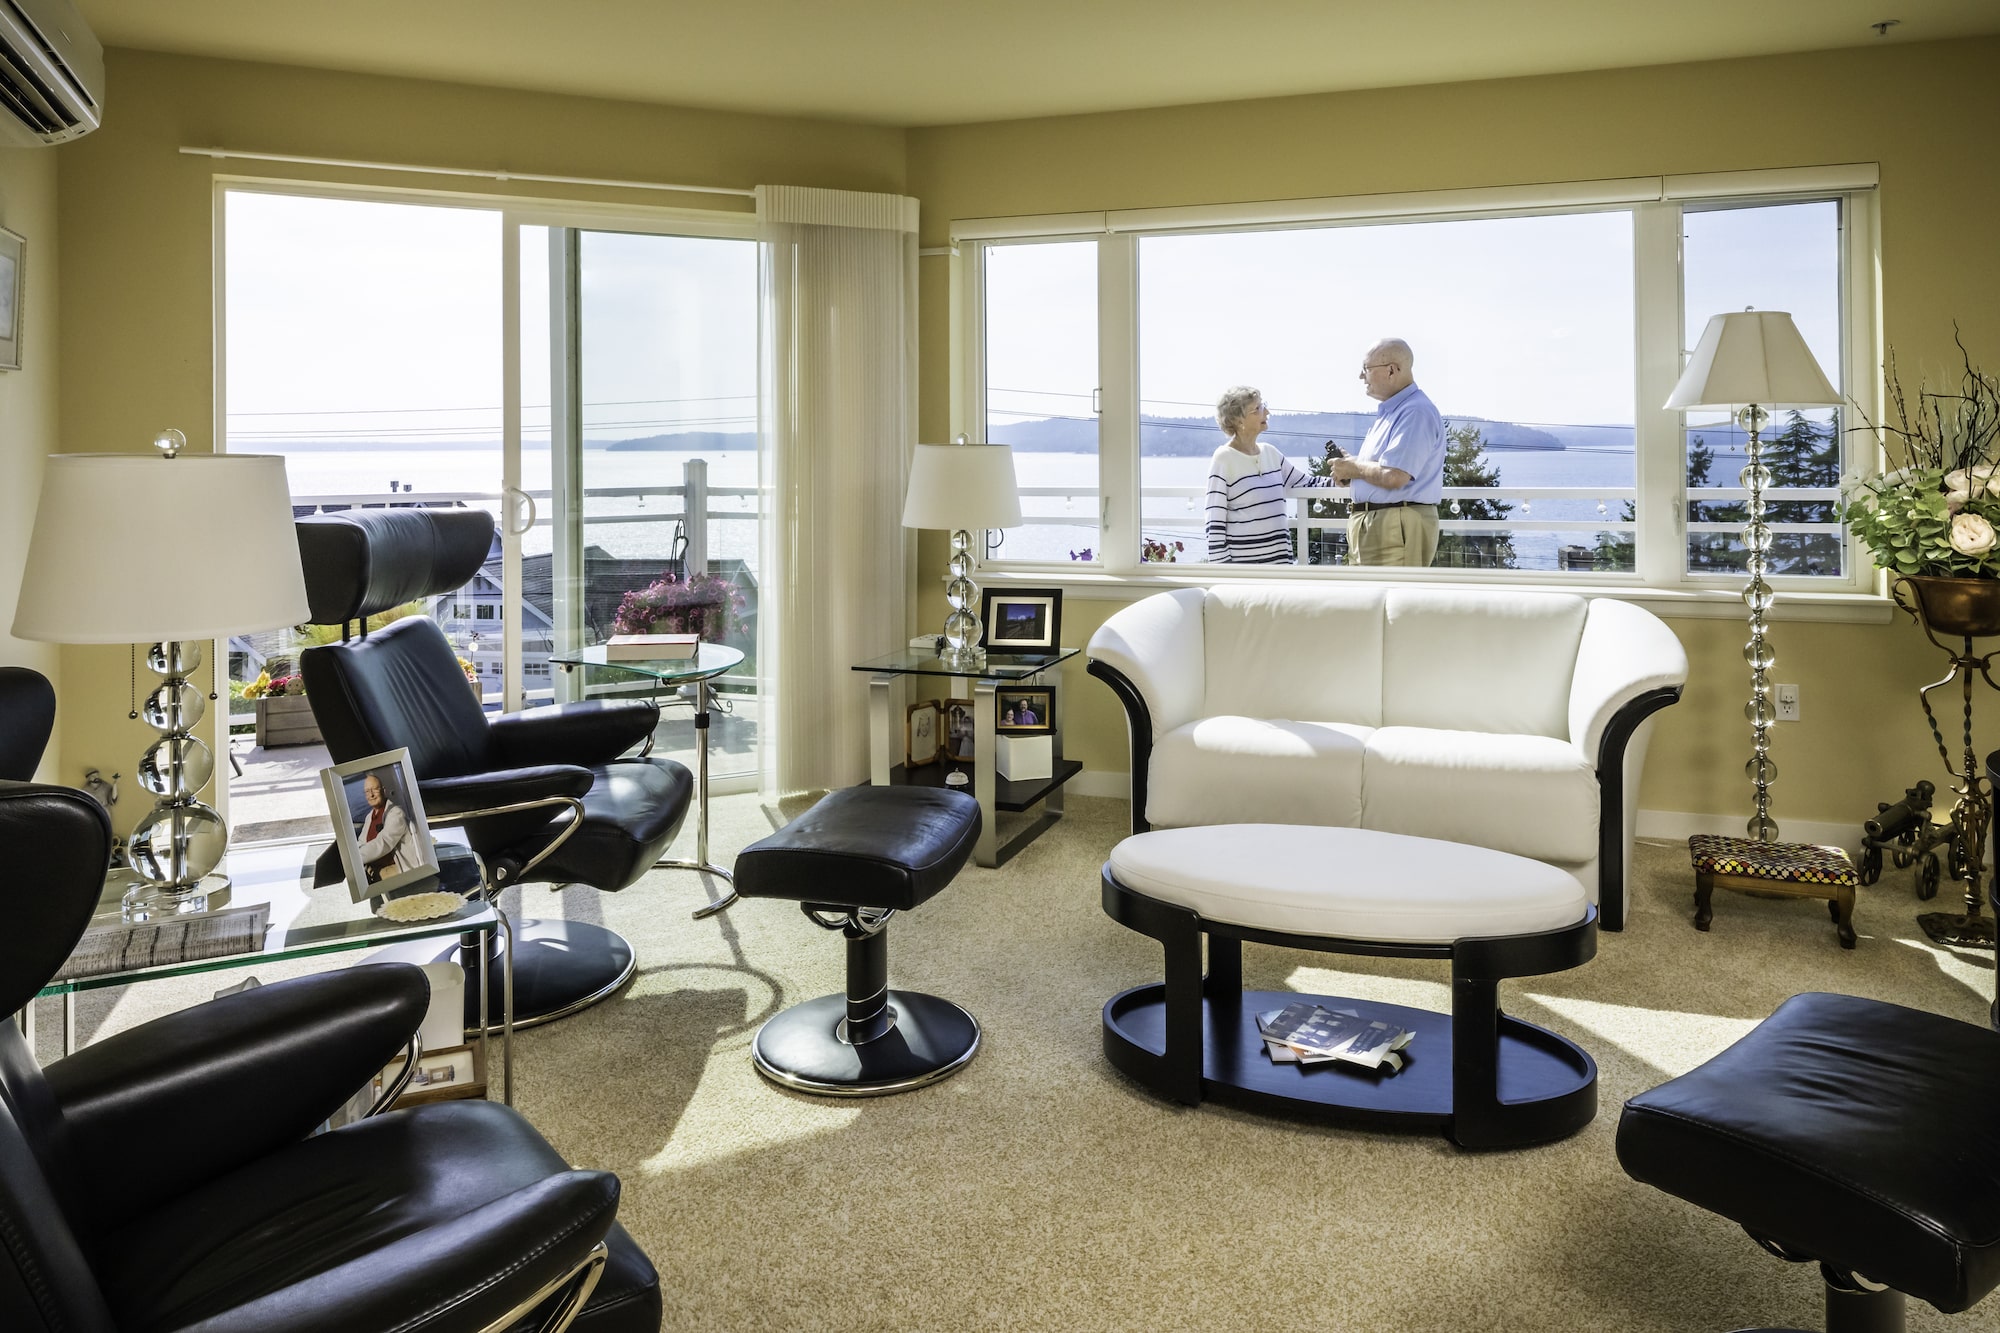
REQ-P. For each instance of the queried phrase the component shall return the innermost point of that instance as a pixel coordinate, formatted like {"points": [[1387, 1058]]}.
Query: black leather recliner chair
{"points": [[27, 717], [543, 795], [163, 1179]]}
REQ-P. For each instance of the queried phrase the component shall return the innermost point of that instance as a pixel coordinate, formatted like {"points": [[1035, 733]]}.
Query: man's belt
{"points": [[1368, 506]]}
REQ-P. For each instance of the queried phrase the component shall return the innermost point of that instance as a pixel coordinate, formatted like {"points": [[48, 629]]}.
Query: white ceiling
{"points": [[929, 62]]}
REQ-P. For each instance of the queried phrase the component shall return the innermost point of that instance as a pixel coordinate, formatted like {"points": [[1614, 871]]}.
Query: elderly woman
{"points": [[1247, 518]]}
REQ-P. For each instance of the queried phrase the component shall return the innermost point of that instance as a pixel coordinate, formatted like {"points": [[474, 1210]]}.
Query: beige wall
{"points": [[137, 226], [28, 404], [1929, 115]]}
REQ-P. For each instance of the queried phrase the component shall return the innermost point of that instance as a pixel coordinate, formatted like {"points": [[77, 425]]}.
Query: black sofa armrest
{"points": [[592, 733], [255, 1070], [451, 798], [470, 1272]]}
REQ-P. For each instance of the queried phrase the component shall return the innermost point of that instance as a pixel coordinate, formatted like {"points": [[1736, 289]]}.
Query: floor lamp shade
{"points": [[1752, 356], [137, 548]]}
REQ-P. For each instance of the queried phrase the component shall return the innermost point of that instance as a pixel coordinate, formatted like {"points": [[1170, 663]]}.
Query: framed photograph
{"points": [[920, 734], [378, 823], [13, 261], [1025, 710], [443, 1075], [1020, 620], [958, 730]]}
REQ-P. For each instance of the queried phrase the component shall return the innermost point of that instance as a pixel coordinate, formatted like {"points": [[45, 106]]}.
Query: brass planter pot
{"points": [[1957, 606]]}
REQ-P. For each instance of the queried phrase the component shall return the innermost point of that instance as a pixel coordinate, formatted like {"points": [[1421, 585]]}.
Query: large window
{"points": [[1547, 333]]}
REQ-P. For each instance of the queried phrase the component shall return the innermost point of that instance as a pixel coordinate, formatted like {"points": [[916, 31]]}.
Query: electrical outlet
{"points": [[1788, 703]]}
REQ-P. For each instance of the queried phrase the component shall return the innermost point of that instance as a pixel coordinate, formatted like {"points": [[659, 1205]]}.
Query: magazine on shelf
{"points": [[1310, 1034], [651, 647]]}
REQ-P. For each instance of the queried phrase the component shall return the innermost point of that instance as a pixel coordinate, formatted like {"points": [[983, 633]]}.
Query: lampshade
{"points": [[962, 486], [139, 548], [1752, 356]]}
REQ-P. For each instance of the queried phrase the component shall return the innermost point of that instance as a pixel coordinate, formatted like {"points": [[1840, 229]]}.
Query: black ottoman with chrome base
{"points": [[1847, 1132], [851, 862]]}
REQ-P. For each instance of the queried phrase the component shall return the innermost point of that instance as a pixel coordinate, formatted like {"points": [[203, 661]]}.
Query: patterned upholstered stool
{"points": [[1787, 869]]}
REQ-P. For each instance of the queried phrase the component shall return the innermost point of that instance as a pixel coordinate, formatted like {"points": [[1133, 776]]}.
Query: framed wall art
{"points": [[13, 261], [1020, 620], [958, 730]]}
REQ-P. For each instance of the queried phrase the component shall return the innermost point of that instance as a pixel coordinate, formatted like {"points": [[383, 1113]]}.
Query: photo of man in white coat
{"points": [[384, 832]]}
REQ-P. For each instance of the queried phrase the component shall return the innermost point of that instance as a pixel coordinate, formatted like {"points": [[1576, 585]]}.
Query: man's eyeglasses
{"points": [[1379, 365]]}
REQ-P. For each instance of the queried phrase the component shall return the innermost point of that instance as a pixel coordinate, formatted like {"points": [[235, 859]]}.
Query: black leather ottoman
{"points": [[851, 862], [1846, 1132]]}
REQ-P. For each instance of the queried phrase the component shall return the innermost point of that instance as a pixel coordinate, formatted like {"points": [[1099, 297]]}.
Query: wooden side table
{"points": [[1787, 869]]}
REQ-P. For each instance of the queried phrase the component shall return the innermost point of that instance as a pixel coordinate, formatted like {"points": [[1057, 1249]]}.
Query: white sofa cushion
{"points": [[1244, 770], [1490, 660], [1297, 651], [1530, 795], [1354, 884]]}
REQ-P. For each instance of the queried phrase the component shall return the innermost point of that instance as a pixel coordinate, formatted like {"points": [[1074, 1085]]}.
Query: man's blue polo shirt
{"points": [[1408, 434]]}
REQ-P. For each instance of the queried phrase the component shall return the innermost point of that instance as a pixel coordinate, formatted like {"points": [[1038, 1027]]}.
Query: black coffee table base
{"points": [[1483, 1078]]}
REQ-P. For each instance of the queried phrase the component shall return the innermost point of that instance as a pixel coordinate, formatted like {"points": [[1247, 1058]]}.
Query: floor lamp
{"points": [[175, 549], [1752, 361]]}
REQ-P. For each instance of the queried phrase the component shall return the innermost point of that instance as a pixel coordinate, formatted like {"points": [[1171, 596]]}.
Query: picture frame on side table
{"points": [[13, 263], [958, 730], [1034, 703], [921, 731], [378, 823], [1020, 620]]}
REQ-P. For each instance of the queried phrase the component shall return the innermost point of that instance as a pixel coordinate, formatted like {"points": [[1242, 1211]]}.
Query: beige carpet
{"points": [[1040, 1190]]}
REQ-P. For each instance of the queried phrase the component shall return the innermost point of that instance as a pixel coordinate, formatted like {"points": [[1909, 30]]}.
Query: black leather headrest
{"points": [[361, 561], [27, 717], [55, 843]]}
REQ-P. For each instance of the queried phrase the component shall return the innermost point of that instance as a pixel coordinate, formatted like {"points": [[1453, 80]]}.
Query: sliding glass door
{"points": [[591, 383]]}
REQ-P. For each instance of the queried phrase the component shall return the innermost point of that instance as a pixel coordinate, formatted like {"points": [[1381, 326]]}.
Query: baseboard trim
{"points": [[1091, 782], [1677, 826]]}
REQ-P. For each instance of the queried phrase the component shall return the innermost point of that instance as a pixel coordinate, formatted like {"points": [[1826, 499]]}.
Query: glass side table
{"points": [[993, 792], [710, 660], [306, 922]]}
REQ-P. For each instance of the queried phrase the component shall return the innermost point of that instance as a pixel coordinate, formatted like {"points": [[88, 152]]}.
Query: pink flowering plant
{"points": [[705, 604], [1938, 515]]}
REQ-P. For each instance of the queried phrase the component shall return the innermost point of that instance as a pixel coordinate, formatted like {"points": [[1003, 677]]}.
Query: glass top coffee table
{"points": [[710, 660], [306, 922], [994, 793]]}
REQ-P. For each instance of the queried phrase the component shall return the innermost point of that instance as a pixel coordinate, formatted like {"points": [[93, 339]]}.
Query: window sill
{"points": [[1720, 603]]}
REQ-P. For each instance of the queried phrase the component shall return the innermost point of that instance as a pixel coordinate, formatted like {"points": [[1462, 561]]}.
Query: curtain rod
{"points": [[465, 171]]}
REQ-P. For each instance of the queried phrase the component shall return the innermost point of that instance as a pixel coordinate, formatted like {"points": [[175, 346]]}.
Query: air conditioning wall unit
{"points": [[51, 73]]}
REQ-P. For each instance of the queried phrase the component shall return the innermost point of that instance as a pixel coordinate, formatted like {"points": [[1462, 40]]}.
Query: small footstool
{"points": [[1789, 869], [1488, 1080], [1847, 1132], [851, 862]]}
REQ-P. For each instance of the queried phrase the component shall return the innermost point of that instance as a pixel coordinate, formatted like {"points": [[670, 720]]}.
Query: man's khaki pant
{"points": [[1405, 536]]}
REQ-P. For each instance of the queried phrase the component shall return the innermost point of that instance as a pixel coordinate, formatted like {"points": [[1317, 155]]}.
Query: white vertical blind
{"points": [[839, 427]]}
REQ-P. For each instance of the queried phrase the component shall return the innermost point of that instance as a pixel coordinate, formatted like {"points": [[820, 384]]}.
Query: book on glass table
{"points": [[651, 647]]}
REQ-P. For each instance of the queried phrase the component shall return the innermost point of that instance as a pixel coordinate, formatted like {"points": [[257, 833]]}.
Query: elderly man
{"points": [[1398, 477], [386, 845]]}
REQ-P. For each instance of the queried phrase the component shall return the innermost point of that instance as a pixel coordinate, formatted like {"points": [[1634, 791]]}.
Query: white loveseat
{"points": [[1511, 720]]}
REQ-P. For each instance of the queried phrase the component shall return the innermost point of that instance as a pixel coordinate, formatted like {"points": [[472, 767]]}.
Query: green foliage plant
{"points": [[1938, 515]]}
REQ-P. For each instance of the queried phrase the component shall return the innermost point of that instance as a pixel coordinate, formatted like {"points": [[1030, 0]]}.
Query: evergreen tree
{"points": [[1465, 464]]}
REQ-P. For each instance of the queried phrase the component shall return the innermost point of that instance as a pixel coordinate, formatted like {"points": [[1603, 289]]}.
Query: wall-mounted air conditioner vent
{"points": [[51, 73]]}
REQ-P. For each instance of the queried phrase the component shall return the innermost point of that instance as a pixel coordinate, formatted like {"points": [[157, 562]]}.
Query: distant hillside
{"points": [[696, 441], [1297, 433]]}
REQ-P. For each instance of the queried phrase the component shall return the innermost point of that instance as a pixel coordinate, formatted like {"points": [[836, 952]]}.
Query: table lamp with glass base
{"points": [[103, 523], [962, 487]]}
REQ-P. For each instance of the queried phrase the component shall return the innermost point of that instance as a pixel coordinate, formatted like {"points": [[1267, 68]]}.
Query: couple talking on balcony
{"points": [[1397, 477]]}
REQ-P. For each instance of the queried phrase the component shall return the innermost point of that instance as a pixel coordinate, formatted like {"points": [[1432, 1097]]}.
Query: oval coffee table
{"points": [[1486, 1079]]}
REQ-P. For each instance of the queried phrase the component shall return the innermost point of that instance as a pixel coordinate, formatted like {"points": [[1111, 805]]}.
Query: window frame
{"points": [[1656, 204]]}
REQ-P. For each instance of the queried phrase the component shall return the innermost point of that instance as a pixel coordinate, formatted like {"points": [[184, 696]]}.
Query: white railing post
{"points": [[694, 513]]}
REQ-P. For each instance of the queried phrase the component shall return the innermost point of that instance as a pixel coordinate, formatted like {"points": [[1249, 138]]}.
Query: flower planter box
{"points": [[286, 720]]}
